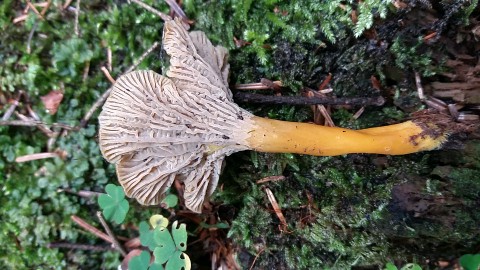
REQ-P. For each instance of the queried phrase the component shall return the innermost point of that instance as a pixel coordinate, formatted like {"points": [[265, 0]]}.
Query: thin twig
{"points": [[30, 36], [328, 119], [325, 82], [272, 178], [31, 123], [359, 113], [45, 7], [142, 57], [82, 223], [256, 257], [115, 242], [10, 110], [86, 70], [436, 104], [45, 129], [36, 156], [51, 141], [109, 59], [20, 18], [95, 106], [453, 111], [77, 11], [263, 85], [81, 193], [78, 246], [164, 16], [176, 8], [107, 74], [105, 95], [34, 9], [276, 208], [67, 3], [299, 100], [34, 116], [418, 82]]}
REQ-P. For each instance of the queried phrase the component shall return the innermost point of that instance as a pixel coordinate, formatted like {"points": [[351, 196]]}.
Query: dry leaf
{"points": [[52, 100]]}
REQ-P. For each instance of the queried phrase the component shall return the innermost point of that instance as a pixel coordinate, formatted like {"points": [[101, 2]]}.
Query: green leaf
{"points": [[470, 261], [180, 236], [158, 221], [140, 262], [390, 266], [178, 261], [146, 236], [113, 204], [165, 245], [169, 201], [156, 266]]}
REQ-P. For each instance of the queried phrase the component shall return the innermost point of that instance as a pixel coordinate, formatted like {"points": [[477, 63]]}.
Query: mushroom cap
{"points": [[158, 129]]}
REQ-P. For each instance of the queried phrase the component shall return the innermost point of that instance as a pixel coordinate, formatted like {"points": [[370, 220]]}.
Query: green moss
{"points": [[339, 210]]}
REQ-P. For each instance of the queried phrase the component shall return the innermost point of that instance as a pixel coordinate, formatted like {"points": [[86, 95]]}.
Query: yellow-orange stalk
{"points": [[289, 137]]}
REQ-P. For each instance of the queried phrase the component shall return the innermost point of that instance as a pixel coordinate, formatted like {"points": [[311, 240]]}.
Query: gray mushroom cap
{"points": [[157, 129]]}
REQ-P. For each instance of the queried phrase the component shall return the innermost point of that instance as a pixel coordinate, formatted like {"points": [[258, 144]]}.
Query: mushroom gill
{"points": [[157, 129]]}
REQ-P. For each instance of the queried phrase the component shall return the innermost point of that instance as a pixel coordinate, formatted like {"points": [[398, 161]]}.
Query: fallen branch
{"points": [[299, 100]]}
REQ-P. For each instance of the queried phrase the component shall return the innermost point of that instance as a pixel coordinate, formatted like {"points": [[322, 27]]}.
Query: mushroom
{"points": [[156, 129]]}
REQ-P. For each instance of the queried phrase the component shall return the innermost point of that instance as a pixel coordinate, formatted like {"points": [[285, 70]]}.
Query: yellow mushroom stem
{"points": [[275, 136]]}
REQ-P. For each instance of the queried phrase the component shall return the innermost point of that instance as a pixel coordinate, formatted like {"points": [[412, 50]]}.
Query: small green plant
{"points": [[114, 204], [470, 261], [408, 266], [407, 55], [170, 201], [141, 261], [167, 247]]}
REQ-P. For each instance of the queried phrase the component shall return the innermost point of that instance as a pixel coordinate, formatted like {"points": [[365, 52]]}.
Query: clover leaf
{"points": [[169, 249], [470, 261], [165, 245], [158, 221], [140, 262], [113, 204], [180, 236], [170, 201], [146, 236]]}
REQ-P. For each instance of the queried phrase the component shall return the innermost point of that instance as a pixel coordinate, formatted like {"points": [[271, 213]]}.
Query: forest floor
{"points": [[278, 211]]}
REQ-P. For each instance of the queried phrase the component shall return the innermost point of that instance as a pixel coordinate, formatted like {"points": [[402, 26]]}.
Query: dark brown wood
{"points": [[299, 100]]}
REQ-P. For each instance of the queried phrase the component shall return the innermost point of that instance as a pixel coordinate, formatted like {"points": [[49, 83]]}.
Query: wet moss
{"points": [[349, 210]]}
